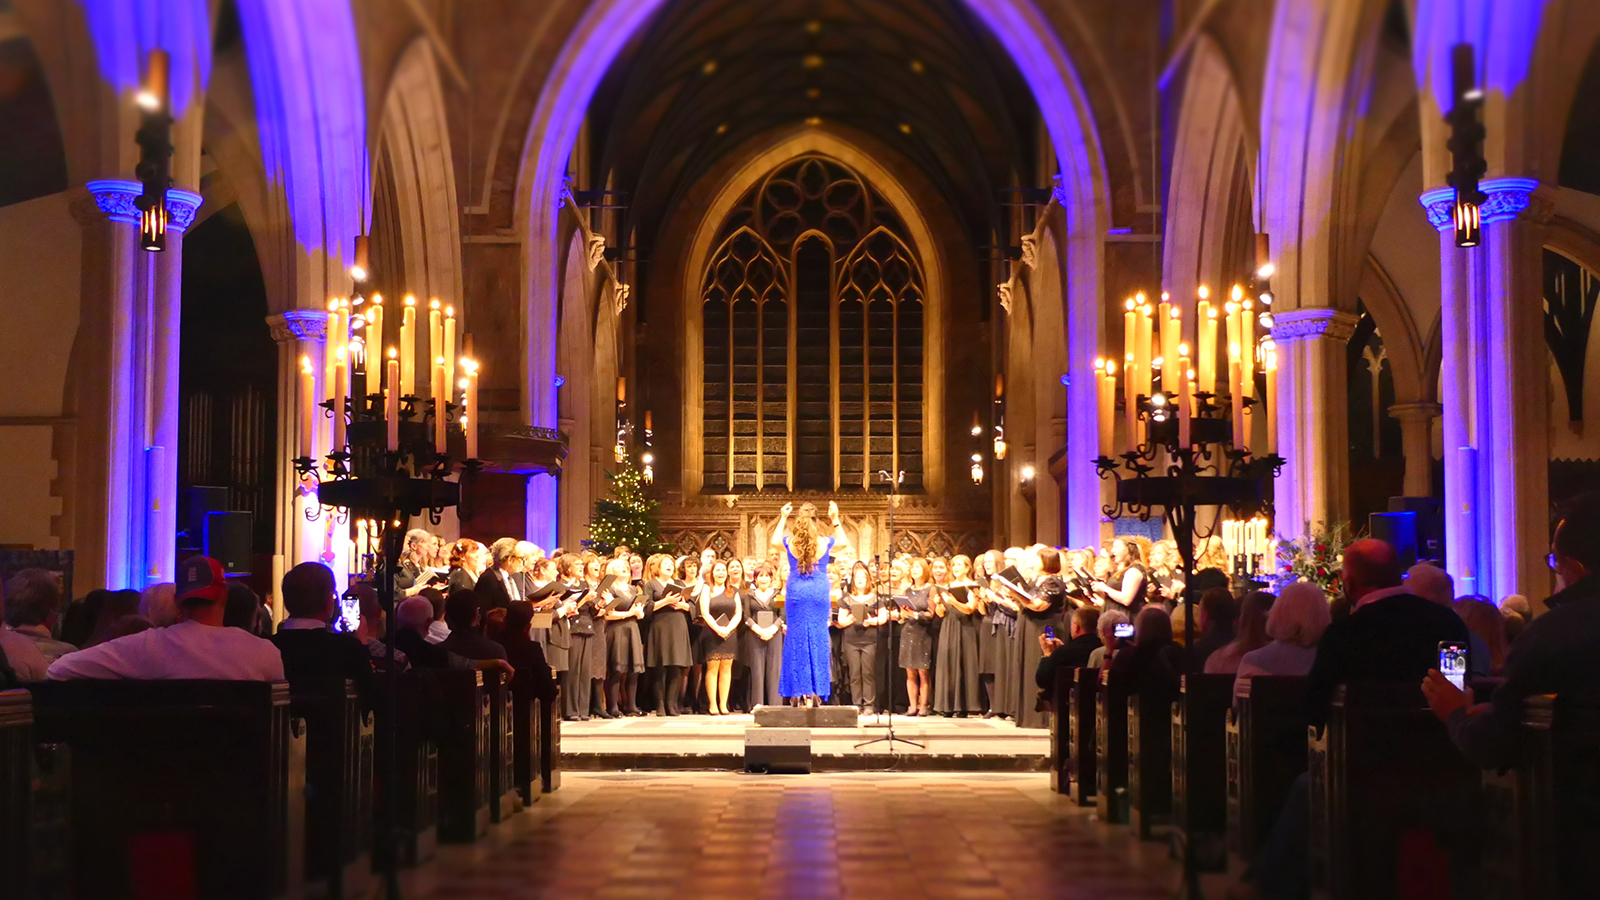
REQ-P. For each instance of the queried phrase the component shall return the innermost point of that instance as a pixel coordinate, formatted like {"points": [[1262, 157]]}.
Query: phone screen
{"points": [[1050, 632], [1453, 663], [1123, 630], [349, 617]]}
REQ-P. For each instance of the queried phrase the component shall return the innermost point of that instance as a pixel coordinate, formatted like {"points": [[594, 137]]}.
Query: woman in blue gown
{"points": [[807, 653]]}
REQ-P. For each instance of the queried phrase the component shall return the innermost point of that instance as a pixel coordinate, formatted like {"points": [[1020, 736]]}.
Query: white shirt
{"points": [[511, 585], [437, 632], [22, 652], [184, 650]]}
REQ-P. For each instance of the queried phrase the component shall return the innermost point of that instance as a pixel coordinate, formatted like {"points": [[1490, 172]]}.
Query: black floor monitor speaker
{"points": [[1430, 523], [195, 501], [1398, 530], [228, 539]]}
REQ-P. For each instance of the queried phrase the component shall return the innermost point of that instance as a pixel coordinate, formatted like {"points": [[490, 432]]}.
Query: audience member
{"points": [[412, 618], [1219, 613], [1251, 634], [1180, 624], [198, 646], [1435, 585], [118, 605], [533, 677], [126, 625], [1073, 653], [33, 605], [1155, 662], [371, 630], [1391, 634], [77, 621], [437, 629], [1517, 612], [244, 610], [1298, 618], [1106, 630], [463, 615], [315, 659], [159, 604], [1488, 628], [22, 656]]}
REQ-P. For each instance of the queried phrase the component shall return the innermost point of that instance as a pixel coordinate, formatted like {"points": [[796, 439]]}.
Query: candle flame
{"points": [[377, 299], [1165, 297], [449, 312], [1272, 361], [1140, 298], [1248, 305], [1211, 313], [1111, 367], [470, 366], [434, 303], [393, 353], [1204, 292], [339, 355], [1183, 349], [463, 384], [305, 364], [1128, 305], [1157, 363], [1233, 352], [1238, 293], [1099, 363], [1232, 307], [410, 300], [1174, 314], [333, 305], [1191, 374]]}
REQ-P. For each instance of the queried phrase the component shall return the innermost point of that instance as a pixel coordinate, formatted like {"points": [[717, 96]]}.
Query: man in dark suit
{"points": [[461, 613], [1070, 654], [1391, 634], [500, 585], [314, 658]]}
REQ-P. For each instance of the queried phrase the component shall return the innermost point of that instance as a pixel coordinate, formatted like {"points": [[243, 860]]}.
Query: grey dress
{"points": [[624, 647], [955, 677], [668, 642], [916, 637]]}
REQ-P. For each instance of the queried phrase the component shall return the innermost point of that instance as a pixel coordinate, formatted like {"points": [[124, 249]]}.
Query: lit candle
{"points": [[363, 540], [449, 353], [469, 409], [1247, 343], [441, 407], [408, 347], [1171, 339], [1185, 402], [341, 370], [308, 406], [1142, 349], [435, 334], [391, 402], [1269, 354], [1237, 397], [375, 325], [1206, 360], [1163, 308], [1130, 331], [1105, 385]]}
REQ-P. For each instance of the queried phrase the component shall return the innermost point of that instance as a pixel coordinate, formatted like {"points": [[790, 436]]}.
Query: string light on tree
{"points": [[627, 517]]}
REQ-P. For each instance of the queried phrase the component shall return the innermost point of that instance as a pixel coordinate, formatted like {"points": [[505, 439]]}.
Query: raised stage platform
{"points": [[718, 743]]}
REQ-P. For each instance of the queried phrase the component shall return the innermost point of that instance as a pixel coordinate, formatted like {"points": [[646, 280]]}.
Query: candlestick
{"points": [[1206, 336], [1237, 398], [375, 324], [441, 407], [340, 386], [1171, 339], [469, 408], [435, 334], [1185, 401], [308, 406], [1142, 349], [408, 347], [1269, 352], [1105, 373], [449, 346], [1130, 337], [1247, 344], [1163, 309], [391, 403]]}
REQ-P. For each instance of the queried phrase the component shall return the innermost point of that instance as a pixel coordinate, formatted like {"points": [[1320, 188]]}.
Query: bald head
{"points": [[1370, 565]]}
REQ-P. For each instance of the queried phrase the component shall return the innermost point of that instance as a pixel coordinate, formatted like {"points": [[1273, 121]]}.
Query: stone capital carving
{"points": [[114, 200], [1508, 198], [1030, 250], [1423, 411], [299, 325], [1305, 324], [619, 295], [597, 250], [1005, 295]]}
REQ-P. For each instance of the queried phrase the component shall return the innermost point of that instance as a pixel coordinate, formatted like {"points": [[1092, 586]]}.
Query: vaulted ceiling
{"points": [[922, 76]]}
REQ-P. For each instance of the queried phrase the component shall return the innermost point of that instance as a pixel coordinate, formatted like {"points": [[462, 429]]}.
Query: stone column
{"points": [[1312, 432], [135, 299], [1493, 393], [1416, 439], [299, 333]]}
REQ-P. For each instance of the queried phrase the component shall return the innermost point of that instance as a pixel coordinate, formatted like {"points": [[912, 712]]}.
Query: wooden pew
{"points": [[339, 779], [1111, 749], [1149, 762], [1379, 769], [504, 801], [463, 756], [1060, 733], [181, 788], [550, 744], [16, 789], [417, 768], [1200, 767], [527, 764], [1081, 734], [1266, 735]]}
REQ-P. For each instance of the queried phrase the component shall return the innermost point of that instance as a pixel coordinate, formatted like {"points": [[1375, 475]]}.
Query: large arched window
{"points": [[812, 310]]}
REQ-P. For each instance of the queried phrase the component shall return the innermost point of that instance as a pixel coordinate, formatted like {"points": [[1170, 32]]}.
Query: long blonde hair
{"points": [[803, 538]]}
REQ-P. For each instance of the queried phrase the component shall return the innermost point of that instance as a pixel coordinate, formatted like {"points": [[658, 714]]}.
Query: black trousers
{"points": [[861, 664], [766, 664], [577, 682]]}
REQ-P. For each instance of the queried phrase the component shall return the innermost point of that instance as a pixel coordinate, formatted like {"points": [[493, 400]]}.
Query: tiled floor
{"points": [[721, 835]]}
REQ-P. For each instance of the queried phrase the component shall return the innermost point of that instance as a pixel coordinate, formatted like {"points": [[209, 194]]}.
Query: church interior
{"points": [[1031, 285]]}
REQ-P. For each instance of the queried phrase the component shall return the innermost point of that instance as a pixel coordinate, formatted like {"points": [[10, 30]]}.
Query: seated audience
{"points": [[118, 605], [1518, 613], [1073, 653], [412, 618], [1391, 634], [1554, 655], [1219, 613], [1180, 624], [524, 653], [462, 614], [1155, 662], [1106, 629], [1251, 634], [245, 610], [198, 646], [126, 625], [315, 659], [1298, 618], [437, 629], [23, 659], [33, 606], [159, 604], [77, 621], [1432, 583], [1488, 628], [372, 631]]}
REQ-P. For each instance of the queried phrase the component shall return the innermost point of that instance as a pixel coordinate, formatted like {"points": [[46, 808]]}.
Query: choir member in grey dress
{"points": [[1040, 611], [916, 638], [1005, 687], [761, 639], [578, 686], [544, 590], [955, 674], [667, 651], [624, 645], [594, 572]]}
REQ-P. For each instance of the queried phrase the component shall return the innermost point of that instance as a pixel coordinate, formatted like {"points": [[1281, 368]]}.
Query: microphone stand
{"points": [[888, 708]]}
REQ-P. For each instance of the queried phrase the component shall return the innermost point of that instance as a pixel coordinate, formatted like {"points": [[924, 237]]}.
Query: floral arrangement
{"points": [[1317, 557]]}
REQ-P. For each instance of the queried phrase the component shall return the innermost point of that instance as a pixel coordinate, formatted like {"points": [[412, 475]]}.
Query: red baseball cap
{"points": [[200, 579]]}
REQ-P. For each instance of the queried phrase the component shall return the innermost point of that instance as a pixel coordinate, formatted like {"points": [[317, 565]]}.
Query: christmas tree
{"points": [[628, 517]]}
